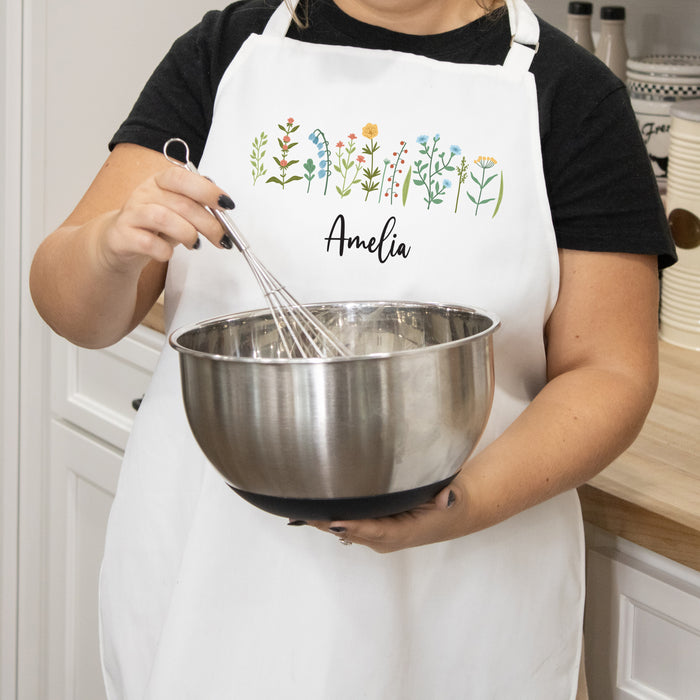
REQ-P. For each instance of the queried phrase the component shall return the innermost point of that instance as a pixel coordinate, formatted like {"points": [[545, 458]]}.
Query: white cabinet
{"points": [[70, 71], [92, 396], [642, 624], [83, 478]]}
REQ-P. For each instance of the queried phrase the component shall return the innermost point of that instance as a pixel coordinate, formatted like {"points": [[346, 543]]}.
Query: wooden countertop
{"points": [[651, 494]]}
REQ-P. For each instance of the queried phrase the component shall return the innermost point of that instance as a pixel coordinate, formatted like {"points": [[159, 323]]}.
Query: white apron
{"points": [[358, 174]]}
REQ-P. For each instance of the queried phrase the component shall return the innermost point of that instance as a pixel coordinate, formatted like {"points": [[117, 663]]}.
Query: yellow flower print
{"points": [[370, 174], [370, 131], [484, 162]]}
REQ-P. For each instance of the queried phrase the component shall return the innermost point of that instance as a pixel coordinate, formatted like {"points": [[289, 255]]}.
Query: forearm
{"points": [[579, 423], [77, 293]]}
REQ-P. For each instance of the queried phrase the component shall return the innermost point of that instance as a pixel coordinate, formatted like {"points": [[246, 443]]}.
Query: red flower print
{"points": [[340, 144], [283, 163], [286, 139], [290, 120], [352, 137], [360, 159]]}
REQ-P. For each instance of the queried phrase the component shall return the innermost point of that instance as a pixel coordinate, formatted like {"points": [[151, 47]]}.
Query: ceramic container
{"points": [[655, 83]]}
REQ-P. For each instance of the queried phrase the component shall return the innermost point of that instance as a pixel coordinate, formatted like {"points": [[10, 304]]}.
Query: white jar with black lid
{"points": [[655, 83]]}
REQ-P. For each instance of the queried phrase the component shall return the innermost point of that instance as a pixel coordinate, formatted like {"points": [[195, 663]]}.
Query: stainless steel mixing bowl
{"points": [[363, 436]]}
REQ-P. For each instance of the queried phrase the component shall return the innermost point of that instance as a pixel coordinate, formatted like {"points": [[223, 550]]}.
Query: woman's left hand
{"points": [[602, 368], [438, 520]]}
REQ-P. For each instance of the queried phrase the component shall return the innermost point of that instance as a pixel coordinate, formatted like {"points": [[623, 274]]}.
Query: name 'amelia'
{"points": [[385, 246]]}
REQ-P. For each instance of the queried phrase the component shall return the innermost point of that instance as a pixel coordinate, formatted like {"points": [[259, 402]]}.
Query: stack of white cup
{"points": [[680, 296]]}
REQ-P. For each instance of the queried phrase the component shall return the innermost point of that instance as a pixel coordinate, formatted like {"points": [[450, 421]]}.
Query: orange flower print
{"points": [[286, 144]]}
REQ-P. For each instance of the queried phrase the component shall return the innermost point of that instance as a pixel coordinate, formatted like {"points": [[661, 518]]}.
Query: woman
{"points": [[506, 164]]}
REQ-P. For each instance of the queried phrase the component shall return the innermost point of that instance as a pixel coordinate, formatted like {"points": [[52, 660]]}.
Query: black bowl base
{"points": [[344, 508]]}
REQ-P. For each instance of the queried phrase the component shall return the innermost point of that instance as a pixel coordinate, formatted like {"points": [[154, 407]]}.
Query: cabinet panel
{"points": [[83, 479], [646, 627], [95, 389]]}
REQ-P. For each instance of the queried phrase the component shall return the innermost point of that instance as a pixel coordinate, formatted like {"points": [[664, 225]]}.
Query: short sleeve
{"points": [[602, 189], [178, 99]]}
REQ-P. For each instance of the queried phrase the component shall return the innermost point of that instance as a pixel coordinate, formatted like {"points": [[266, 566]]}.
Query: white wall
{"points": [[653, 26]]}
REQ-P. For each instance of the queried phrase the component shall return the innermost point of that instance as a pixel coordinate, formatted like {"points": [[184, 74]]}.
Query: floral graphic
{"points": [[318, 138], [485, 163], [462, 176], [428, 173], [500, 198], [346, 164], [309, 166], [439, 173], [370, 173], [257, 154], [286, 145], [395, 169]]}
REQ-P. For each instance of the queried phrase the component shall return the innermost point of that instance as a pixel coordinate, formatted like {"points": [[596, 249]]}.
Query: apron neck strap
{"points": [[524, 30], [525, 36], [278, 24]]}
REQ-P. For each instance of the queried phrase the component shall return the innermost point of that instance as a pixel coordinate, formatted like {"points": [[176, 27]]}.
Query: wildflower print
{"points": [[257, 154], [427, 174], [370, 173], [347, 167], [386, 165], [485, 163], [286, 144], [462, 176], [309, 166], [318, 138], [500, 198], [392, 180]]}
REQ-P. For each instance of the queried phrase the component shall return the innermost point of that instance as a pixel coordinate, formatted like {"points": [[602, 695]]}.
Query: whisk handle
{"points": [[232, 232]]}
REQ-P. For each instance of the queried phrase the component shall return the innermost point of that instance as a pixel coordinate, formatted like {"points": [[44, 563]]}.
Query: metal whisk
{"points": [[301, 333]]}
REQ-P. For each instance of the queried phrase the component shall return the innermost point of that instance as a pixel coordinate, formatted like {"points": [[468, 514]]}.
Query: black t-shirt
{"points": [[601, 188]]}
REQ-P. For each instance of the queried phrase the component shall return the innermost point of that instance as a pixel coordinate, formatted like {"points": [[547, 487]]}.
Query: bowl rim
{"points": [[174, 336]]}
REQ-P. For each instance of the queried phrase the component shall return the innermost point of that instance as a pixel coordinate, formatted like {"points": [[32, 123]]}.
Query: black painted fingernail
{"points": [[225, 242], [337, 529], [197, 243], [296, 523], [225, 202], [451, 498]]}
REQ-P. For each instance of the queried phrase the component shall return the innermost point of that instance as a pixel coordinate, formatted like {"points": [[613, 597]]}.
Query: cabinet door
{"points": [[96, 389], [82, 482], [642, 630]]}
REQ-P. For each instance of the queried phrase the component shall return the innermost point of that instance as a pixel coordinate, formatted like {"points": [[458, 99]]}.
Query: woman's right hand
{"points": [[167, 209], [95, 278]]}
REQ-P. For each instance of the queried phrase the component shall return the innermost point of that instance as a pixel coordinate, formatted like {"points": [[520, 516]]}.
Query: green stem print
{"points": [[500, 198], [462, 175], [257, 154], [393, 181], [286, 145], [485, 163], [386, 165], [346, 165], [427, 174], [309, 166], [318, 138], [370, 173]]}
